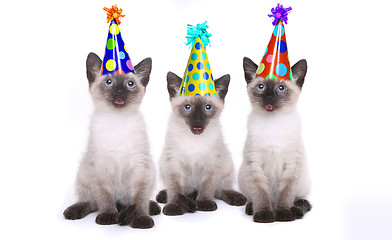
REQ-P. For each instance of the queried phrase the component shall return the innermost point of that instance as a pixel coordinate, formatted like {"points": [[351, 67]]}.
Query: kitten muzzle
{"points": [[197, 130]]}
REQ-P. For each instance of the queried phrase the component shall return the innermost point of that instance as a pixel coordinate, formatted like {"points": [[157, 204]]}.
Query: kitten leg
{"points": [[105, 201], [286, 193], [136, 215], [79, 210], [206, 192], [260, 198]]}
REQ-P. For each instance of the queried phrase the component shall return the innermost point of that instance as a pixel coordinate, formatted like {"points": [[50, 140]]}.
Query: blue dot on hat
{"points": [[191, 88], [198, 46], [281, 69], [212, 77], [122, 55], [182, 90], [197, 94], [208, 66], [190, 67], [203, 55], [195, 76], [207, 94], [202, 86], [187, 78], [278, 30], [194, 56], [205, 76], [211, 86], [282, 46], [200, 65]]}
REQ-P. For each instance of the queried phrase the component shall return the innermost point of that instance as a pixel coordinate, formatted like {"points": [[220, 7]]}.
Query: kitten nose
{"points": [[119, 91]]}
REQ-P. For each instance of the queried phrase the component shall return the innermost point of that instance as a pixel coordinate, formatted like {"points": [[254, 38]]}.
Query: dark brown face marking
{"points": [[119, 90], [197, 113], [271, 94]]}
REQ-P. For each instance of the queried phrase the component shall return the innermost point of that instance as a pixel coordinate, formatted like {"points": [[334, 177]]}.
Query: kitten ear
{"points": [[299, 71], [93, 66], [250, 69], [173, 84], [222, 85], [143, 69]]}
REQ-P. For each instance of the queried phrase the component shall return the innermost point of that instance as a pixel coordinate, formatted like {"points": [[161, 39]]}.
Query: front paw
{"points": [[106, 218], [173, 209], [233, 198], [285, 215], [142, 222], [264, 216], [206, 205], [125, 217]]}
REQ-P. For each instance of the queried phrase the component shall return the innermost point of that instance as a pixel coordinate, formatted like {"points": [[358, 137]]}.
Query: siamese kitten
{"points": [[196, 165], [116, 175], [274, 175]]}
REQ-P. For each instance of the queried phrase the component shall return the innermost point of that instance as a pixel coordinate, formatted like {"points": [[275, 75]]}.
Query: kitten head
{"points": [[272, 95], [197, 111], [118, 92]]}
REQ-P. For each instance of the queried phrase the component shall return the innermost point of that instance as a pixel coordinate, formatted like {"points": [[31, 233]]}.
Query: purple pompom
{"points": [[279, 13]]}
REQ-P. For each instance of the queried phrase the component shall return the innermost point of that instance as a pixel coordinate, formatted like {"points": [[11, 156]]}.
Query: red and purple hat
{"points": [[275, 63]]}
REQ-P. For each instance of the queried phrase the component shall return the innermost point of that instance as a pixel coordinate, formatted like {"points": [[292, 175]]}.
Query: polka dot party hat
{"points": [[275, 63], [198, 80], [116, 59]]}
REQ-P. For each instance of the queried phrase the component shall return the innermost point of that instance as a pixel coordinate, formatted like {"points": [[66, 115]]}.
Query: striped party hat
{"points": [[198, 80], [275, 63], [116, 59]]}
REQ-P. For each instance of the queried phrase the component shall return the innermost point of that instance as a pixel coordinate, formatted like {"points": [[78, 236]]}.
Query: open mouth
{"points": [[269, 107], [119, 101], [197, 130]]}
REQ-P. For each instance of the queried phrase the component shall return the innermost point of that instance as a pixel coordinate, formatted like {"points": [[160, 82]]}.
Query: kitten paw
{"points": [[304, 204], [187, 203], [106, 218], [285, 215], [233, 198], [161, 197], [154, 208], [249, 208], [206, 205], [125, 216], [77, 211], [265, 216], [172, 209], [142, 222], [297, 211]]}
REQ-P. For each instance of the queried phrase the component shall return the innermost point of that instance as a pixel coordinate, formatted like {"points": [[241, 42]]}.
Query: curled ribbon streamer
{"points": [[199, 31], [279, 13]]}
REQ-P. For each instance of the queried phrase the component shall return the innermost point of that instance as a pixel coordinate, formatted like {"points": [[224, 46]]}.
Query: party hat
{"points": [[198, 80], [275, 63], [116, 59]]}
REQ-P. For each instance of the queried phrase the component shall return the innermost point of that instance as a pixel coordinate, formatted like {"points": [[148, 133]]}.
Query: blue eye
{"points": [[281, 88], [130, 84], [109, 83], [208, 108], [261, 87], [187, 107]]}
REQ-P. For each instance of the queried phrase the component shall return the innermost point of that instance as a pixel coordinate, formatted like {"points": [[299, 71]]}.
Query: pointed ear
{"points": [[222, 86], [143, 69], [250, 69], [299, 72], [93, 67], [173, 84]]}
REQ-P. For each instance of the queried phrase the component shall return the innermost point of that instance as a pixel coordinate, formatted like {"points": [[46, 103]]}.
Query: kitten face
{"points": [[272, 95], [197, 111], [117, 91]]}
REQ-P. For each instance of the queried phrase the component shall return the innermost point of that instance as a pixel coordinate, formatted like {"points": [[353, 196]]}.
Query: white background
{"points": [[345, 107]]}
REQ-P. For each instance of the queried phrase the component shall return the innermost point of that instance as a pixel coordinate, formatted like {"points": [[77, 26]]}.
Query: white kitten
{"points": [[116, 173], [196, 165], [274, 175]]}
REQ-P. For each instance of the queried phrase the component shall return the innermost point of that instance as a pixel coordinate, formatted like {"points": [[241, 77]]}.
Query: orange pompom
{"points": [[113, 13]]}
